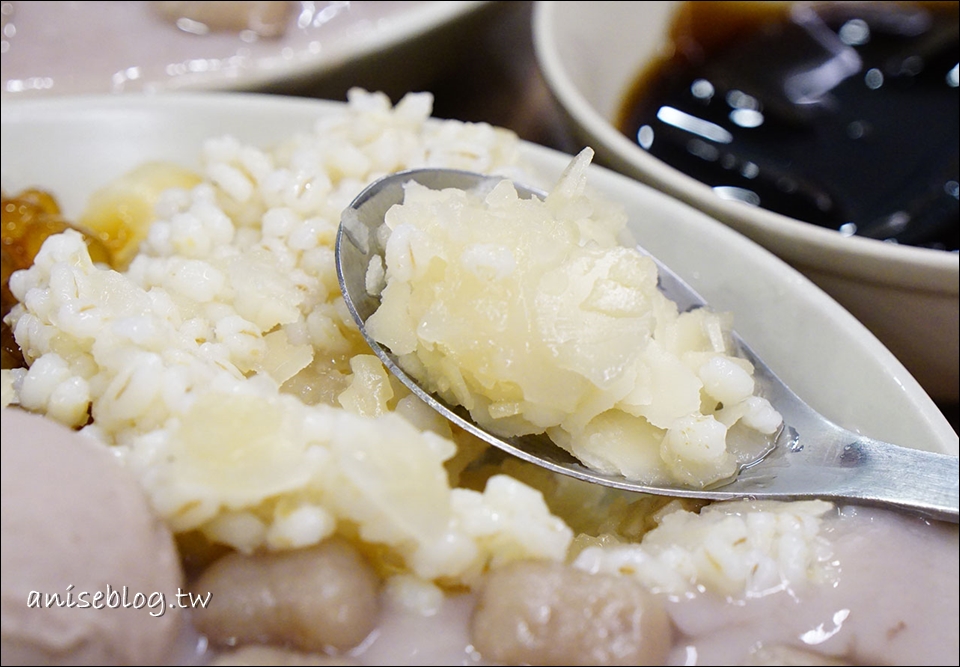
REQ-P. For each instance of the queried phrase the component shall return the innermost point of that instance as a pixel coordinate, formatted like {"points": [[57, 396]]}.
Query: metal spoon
{"points": [[812, 457]]}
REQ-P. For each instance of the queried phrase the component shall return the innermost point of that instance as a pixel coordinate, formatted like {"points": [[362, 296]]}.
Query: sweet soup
{"points": [[329, 517], [844, 115]]}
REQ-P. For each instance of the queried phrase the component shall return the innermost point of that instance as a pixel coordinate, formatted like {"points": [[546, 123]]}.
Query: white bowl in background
{"points": [[591, 53], [55, 48]]}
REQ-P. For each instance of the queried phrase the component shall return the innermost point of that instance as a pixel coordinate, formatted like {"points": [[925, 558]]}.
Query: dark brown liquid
{"points": [[846, 117]]}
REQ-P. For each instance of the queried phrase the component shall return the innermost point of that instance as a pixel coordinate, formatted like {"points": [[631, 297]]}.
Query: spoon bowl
{"points": [[812, 457]]}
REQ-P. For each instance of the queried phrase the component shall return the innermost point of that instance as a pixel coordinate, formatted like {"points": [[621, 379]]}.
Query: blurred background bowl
{"points": [[591, 55], [317, 49]]}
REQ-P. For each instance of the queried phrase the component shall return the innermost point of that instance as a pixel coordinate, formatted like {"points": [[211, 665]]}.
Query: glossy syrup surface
{"points": [[844, 115]]}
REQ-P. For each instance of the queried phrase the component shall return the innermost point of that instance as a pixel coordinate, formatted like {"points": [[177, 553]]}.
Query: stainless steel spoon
{"points": [[812, 457]]}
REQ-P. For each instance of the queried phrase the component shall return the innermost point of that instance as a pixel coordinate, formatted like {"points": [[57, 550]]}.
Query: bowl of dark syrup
{"points": [[827, 132]]}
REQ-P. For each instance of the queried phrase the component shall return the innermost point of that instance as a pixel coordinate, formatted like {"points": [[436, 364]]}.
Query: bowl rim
{"points": [[880, 261]]}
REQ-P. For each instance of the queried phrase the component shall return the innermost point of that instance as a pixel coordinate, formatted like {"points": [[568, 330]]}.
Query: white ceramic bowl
{"points": [[591, 53], [72, 146], [52, 49]]}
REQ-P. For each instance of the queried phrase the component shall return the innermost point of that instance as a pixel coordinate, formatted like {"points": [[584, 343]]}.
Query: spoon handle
{"points": [[927, 483], [815, 458]]}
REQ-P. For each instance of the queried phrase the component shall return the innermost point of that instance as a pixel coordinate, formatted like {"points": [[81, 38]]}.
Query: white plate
{"points": [[73, 146], [58, 48]]}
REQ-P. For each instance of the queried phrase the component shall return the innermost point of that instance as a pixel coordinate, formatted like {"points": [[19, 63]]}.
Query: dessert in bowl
{"points": [[902, 285], [220, 368]]}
